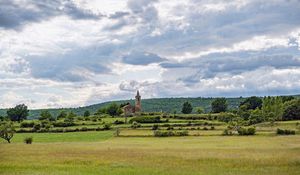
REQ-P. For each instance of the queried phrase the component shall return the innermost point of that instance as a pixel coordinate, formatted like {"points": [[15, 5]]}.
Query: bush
{"points": [[28, 140], [37, 126], [84, 129], [135, 125], [205, 128], [246, 131], [285, 132], [158, 133], [146, 119], [63, 124], [25, 124], [170, 128], [107, 126], [226, 117], [118, 122], [155, 127], [227, 132], [212, 128]]}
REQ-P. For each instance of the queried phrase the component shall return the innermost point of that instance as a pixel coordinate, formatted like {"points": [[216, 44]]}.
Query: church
{"points": [[131, 110]]}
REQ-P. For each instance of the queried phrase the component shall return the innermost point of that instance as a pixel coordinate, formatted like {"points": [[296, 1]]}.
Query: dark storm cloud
{"points": [[233, 64], [14, 14], [141, 58]]}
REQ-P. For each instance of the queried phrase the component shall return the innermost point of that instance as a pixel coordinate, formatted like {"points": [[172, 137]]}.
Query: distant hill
{"points": [[148, 105]]}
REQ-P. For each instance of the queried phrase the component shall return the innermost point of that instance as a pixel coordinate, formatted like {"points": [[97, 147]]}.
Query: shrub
{"points": [[84, 129], [107, 126], [246, 131], [146, 119], [227, 132], [285, 132], [25, 124], [158, 133], [37, 126], [135, 125], [155, 127], [63, 124], [28, 140], [182, 133], [212, 128], [226, 117], [170, 128], [163, 133], [118, 122]]}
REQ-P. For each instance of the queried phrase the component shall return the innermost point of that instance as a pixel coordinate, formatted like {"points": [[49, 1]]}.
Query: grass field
{"points": [[101, 153]]}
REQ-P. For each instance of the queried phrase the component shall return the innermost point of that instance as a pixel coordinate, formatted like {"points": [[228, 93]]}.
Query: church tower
{"points": [[138, 105]]}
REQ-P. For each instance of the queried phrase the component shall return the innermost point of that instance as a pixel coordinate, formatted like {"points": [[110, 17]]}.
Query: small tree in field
{"points": [[18, 113], [199, 110], [7, 131], [187, 108]]}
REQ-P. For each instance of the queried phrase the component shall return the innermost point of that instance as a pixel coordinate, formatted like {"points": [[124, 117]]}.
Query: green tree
{"points": [[71, 115], [102, 110], [292, 110], [113, 109], [187, 108], [86, 113], [272, 108], [46, 115], [251, 103], [287, 98], [219, 105], [62, 115], [7, 131], [18, 113], [199, 110]]}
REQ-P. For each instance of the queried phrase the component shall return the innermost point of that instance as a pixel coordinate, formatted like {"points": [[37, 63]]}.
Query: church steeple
{"points": [[138, 105]]}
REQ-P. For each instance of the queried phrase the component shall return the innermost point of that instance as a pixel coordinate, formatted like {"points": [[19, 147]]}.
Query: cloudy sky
{"points": [[63, 53]]}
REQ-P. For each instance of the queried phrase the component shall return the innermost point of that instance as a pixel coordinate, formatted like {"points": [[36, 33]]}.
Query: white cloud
{"points": [[74, 55]]}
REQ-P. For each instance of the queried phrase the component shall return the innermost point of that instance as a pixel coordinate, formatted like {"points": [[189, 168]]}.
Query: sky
{"points": [[63, 53]]}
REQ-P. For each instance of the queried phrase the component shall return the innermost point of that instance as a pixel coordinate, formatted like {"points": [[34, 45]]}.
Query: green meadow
{"points": [[102, 153]]}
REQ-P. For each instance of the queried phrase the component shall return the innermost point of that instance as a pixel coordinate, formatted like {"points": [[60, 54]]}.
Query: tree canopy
{"points": [[18, 113], [292, 110], [187, 108], [251, 103], [219, 105]]}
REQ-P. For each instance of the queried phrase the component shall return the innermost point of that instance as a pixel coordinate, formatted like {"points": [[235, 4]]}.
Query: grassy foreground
{"points": [[148, 155]]}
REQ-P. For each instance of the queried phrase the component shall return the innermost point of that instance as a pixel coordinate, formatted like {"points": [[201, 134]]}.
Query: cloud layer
{"points": [[65, 53]]}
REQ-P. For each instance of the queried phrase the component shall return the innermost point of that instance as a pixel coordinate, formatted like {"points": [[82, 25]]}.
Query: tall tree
{"points": [[113, 109], [62, 114], [46, 115], [251, 103], [292, 110], [187, 108], [219, 105], [18, 113], [272, 108]]}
